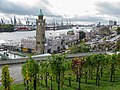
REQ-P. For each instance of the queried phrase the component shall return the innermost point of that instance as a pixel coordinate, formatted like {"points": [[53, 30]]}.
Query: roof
{"points": [[40, 13]]}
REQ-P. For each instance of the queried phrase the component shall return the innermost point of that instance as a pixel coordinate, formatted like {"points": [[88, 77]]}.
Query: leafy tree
{"points": [[82, 47], [56, 64], [81, 35], [44, 71], [90, 63], [6, 79], [30, 71], [118, 45], [118, 30], [68, 67], [86, 68], [96, 61], [25, 75], [113, 63], [77, 65], [6, 28]]}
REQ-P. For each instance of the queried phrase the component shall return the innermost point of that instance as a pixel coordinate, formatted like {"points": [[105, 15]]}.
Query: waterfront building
{"points": [[40, 33], [111, 23], [115, 23], [104, 30], [28, 44], [60, 43], [53, 44]]}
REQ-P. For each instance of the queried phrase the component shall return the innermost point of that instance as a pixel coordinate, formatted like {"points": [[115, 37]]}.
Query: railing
{"points": [[43, 58]]}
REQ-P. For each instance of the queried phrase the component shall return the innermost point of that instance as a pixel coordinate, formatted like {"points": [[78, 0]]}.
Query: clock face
{"points": [[39, 23]]}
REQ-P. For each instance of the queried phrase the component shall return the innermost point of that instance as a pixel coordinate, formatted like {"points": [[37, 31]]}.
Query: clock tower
{"points": [[40, 33]]}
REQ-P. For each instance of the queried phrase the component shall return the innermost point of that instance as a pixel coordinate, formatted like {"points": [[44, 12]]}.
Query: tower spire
{"points": [[40, 13]]}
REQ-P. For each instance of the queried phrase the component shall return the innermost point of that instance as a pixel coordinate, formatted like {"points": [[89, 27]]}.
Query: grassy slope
{"points": [[104, 85]]}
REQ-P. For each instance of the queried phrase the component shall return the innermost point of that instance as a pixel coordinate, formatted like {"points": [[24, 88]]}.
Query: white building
{"points": [[54, 43]]}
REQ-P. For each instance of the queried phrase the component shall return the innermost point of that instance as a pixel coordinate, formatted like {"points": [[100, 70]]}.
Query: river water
{"points": [[18, 35]]}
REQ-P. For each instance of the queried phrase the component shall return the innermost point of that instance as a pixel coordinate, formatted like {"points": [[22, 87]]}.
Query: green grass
{"points": [[105, 84], [19, 86]]}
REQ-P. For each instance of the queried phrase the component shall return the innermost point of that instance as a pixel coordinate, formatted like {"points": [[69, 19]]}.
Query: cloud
{"points": [[46, 2], [108, 8], [9, 7], [88, 19]]}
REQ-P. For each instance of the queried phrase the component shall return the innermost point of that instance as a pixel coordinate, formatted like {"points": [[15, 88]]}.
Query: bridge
{"points": [[43, 58]]}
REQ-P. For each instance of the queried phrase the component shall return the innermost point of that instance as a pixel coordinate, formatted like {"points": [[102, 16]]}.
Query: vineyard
{"points": [[94, 72]]}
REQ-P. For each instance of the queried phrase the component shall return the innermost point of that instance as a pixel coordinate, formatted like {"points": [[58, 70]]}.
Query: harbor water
{"points": [[18, 35]]}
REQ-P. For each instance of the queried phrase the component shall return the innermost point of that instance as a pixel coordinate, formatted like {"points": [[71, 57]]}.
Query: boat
{"points": [[23, 28]]}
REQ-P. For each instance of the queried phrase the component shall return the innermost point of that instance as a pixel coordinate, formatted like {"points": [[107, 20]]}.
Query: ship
{"points": [[23, 28]]}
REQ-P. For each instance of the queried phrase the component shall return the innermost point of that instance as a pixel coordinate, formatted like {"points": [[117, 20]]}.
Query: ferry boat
{"points": [[23, 28]]}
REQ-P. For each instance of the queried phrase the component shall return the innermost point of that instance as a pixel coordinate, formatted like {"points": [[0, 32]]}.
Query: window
{"points": [[38, 42]]}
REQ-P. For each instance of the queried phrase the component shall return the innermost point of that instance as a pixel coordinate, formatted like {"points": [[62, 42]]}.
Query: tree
{"points": [[6, 28], [69, 70], [91, 65], [81, 35], [56, 64], [25, 75], [6, 78], [82, 47], [96, 61], [44, 71], [86, 68], [77, 65], [118, 45], [118, 30], [30, 71], [113, 63]]}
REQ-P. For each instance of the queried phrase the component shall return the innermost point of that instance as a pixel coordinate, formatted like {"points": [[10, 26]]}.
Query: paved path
{"points": [[15, 72]]}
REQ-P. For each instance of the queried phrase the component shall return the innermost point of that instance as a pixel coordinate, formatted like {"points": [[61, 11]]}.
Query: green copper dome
{"points": [[70, 32], [40, 13]]}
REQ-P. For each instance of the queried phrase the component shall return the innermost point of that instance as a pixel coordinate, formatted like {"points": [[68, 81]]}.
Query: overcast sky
{"points": [[84, 11]]}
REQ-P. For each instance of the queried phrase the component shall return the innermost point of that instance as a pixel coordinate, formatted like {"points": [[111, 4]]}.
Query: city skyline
{"points": [[84, 11]]}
